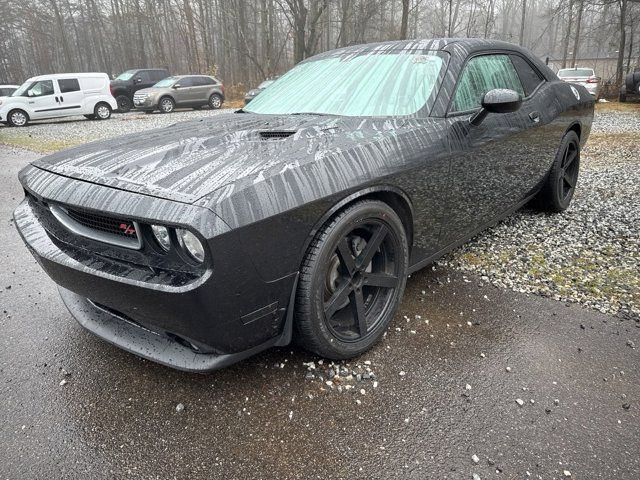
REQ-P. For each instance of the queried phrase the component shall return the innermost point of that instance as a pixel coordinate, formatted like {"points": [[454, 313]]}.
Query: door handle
{"points": [[57, 101], [61, 99], [535, 117]]}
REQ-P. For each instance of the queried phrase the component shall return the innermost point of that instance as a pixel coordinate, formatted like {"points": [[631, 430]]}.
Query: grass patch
{"points": [[37, 144], [628, 106]]}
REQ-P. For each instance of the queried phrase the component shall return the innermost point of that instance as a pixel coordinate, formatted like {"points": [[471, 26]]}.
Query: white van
{"points": [[59, 95]]}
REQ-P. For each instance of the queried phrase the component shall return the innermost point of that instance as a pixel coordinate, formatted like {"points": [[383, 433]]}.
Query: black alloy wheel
{"points": [[124, 103], [560, 185], [568, 172], [352, 280]]}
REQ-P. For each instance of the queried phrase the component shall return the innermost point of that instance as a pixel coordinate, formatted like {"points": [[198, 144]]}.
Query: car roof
{"points": [[444, 44], [56, 76], [461, 47], [575, 68]]}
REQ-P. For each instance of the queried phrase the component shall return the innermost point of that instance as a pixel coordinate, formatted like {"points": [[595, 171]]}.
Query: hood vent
{"points": [[275, 134]]}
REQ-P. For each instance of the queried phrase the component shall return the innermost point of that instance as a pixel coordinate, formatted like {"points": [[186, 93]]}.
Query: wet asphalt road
{"points": [[116, 416]]}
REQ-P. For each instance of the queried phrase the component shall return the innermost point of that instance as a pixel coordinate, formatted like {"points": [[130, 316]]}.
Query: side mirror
{"points": [[177, 85], [498, 100]]}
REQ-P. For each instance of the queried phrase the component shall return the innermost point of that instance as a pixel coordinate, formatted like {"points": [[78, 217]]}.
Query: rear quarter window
{"points": [[529, 76]]}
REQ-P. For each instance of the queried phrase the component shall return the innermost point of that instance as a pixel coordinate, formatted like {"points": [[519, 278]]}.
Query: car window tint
{"points": [[41, 88], [199, 81], [146, 77], [480, 75], [68, 85], [208, 81], [186, 82], [529, 77], [159, 75]]}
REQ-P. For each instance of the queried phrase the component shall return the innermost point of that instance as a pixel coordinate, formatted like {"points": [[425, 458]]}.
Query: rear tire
{"points": [[215, 101], [351, 281], [102, 111], [124, 103], [559, 187], [18, 118]]}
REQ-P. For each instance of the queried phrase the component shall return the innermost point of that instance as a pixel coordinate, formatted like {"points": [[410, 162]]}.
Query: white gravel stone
{"points": [[589, 254]]}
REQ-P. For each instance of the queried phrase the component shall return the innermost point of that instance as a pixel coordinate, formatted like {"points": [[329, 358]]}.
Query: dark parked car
{"points": [[631, 86], [253, 93], [193, 91], [200, 244], [125, 85]]}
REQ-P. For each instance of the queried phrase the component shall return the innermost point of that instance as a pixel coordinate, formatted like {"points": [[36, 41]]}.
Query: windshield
{"points": [[166, 82], [575, 72], [372, 84], [125, 75], [20, 92]]}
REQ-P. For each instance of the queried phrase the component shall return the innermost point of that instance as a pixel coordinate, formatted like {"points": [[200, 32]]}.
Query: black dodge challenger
{"points": [[301, 215]]}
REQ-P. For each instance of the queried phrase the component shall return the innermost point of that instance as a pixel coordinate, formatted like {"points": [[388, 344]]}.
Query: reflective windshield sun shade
{"points": [[372, 84]]}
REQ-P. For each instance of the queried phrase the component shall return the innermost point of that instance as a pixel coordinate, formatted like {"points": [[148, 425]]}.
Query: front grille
{"points": [[114, 226], [139, 98], [117, 231]]}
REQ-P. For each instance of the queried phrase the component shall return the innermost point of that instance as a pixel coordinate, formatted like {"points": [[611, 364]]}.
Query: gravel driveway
{"points": [[53, 135], [590, 254]]}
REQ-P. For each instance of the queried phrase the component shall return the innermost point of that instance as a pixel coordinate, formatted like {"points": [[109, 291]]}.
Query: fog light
{"points": [[191, 244], [162, 236]]}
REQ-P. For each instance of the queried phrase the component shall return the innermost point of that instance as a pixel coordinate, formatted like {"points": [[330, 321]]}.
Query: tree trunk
{"points": [[576, 43], [522, 20], [623, 41], [405, 19], [567, 36]]}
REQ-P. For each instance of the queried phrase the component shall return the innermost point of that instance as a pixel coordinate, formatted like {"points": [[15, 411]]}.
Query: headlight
{"points": [[162, 236], [191, 244]]}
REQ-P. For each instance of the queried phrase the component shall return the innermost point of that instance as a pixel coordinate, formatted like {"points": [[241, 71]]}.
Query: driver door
{"points": [[42, 99], [486, 163]]}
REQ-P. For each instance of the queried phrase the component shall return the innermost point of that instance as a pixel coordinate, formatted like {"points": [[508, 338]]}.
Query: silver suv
{"points": [[194, 91]]}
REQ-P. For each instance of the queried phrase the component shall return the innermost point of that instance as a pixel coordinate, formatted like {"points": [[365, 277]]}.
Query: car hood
{"points": [[152, 90], [11, 100], [190, 160]]}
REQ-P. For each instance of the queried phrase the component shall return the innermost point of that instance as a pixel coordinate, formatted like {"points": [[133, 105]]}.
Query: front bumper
{"points": [[147, 344], [219, 318]]}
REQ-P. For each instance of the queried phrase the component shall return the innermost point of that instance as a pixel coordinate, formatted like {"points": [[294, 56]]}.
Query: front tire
{"points": [[352, 281], [557, 192], [167, 105], [124, 103], [102, 111], [18, 118]]}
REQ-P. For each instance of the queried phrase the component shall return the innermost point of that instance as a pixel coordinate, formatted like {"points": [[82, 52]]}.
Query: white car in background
{"points": [[59, 95], [6, 90], [581, 76]]}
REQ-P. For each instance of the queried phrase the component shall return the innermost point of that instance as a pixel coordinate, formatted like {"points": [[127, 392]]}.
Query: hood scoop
{"points": [[276, 134]]}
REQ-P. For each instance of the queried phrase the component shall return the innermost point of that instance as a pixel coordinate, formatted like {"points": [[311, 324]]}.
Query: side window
{"points": [[68, 85], [159, 75], [480, 75], [529, 77], [41, 88], [199, 81], [186, 82], [146, 77]]}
